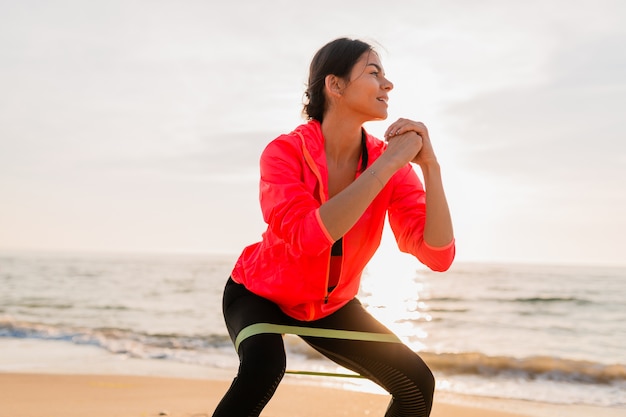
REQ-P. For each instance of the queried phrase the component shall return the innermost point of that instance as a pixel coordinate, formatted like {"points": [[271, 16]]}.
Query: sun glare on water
{"points": [[391, 293]]}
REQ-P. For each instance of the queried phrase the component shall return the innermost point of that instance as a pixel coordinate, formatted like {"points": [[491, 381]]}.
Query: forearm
{"points": [[343, 210], [438, 230]]}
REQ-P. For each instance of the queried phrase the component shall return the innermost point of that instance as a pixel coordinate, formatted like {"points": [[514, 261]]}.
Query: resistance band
{"points": [[261, 328]]}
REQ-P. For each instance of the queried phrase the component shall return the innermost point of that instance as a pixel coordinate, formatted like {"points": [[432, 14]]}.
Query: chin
{"points": [[374, 117], [382, 115]]}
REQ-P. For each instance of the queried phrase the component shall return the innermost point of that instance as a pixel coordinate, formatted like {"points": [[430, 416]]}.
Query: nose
{"points": [[388, 85]]}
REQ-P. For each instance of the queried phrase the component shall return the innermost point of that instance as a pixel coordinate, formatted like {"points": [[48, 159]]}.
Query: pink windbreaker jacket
{"points": [[290, 265]]}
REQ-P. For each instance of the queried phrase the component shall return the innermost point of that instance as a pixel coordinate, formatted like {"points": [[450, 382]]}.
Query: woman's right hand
{"points": [[402, 148]]}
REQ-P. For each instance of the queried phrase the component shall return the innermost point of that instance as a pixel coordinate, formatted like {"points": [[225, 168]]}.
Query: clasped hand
{"points": [[408, 141]]}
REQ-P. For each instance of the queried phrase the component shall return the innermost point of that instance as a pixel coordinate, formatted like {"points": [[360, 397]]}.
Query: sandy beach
{"points": [[58, 395], [130, 396]]}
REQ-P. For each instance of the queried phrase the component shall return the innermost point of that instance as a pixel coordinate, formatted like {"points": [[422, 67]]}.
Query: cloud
{"points": [[542, 160], [228, 157], [562, 127]]}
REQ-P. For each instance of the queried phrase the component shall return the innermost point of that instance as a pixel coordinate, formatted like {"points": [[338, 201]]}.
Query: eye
{"points": [[375, 73]]}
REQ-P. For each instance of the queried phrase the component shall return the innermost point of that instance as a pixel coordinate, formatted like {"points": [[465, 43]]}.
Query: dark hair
{"points": [[335, 58]]}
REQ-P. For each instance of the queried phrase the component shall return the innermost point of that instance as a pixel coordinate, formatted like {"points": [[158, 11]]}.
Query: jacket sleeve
{"points": [[289, 205], [407, 217]]}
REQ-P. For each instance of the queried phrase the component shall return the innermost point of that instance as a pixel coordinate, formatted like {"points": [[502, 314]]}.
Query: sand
{"points": [[59, 395], [53, 395]]}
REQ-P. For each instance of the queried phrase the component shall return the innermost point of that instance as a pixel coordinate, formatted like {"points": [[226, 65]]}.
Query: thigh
{"points": [[372, 359], [381, 362], [243, 308], [352, 317]]}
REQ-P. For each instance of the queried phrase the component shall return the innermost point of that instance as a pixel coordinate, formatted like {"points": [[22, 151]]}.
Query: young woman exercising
{"points": [[325, 191]]}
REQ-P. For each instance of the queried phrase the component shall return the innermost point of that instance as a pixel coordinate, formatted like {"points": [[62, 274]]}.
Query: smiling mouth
{"points": [[383, 99]]}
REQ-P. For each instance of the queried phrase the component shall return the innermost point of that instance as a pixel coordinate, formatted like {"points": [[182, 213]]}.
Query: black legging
{"points": [[393, 366]]}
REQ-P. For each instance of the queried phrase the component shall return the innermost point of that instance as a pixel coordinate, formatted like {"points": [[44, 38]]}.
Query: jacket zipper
{"points": [[313, 166], [326, 292]]}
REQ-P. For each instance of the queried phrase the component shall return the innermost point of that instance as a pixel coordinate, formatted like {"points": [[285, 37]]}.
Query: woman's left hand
{"points": [[426, 155]]}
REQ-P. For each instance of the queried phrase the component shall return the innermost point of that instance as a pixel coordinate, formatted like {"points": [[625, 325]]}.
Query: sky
{"points": [[136, 126]]}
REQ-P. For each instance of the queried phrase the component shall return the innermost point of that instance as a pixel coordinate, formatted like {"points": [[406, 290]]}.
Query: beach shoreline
{"points": [[52, 378]]}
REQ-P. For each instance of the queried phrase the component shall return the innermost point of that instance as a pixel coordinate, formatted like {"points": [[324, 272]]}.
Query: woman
{"points": [[325, 190]]}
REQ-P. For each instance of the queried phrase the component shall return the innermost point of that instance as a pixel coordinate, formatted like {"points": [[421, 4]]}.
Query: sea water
{"points": [[534, 332]]}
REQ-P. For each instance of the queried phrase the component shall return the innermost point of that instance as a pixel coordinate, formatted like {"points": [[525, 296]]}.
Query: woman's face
{"points": [[366, 93]]}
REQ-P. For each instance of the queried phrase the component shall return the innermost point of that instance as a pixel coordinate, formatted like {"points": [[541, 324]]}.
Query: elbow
{"points": [[440, 267], [310, 237], [437, 259]]}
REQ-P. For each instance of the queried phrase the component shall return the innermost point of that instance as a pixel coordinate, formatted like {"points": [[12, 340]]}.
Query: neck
{"points": [[342, 139]]}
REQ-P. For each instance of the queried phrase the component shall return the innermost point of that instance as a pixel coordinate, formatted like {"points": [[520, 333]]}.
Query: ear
{"points": [[334, 85]]}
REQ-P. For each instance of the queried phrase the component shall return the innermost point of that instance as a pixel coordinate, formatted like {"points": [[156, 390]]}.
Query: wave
{"points": [[447, 310], [535, 367], [446, 299], [530, 300], [46, 305], [531, 368], [538, 300], [117, 341], [199, 348]]}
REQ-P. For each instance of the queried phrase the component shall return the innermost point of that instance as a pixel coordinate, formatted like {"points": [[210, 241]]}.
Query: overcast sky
{"points": [[137, 125]]}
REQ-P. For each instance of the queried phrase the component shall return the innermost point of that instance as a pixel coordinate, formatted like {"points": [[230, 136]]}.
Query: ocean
{"points": [[545, 333]]}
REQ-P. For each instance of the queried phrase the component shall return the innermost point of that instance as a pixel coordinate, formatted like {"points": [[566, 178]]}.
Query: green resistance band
{"points": [[261, 328]]}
